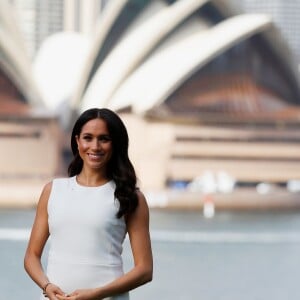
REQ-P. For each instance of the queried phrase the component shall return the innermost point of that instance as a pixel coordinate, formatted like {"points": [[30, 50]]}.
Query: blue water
{"points": [[223, 268]]}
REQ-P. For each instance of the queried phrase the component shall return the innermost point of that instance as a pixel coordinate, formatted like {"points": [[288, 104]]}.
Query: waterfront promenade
{"points": [[25, 194], [233, 256]]}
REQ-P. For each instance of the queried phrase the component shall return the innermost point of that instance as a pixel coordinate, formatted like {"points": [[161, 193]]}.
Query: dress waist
{"points": [[69, 259], [70, 276]]}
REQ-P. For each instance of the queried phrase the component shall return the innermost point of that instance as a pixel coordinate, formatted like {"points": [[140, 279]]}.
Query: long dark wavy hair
{"points": [[119, 168]]}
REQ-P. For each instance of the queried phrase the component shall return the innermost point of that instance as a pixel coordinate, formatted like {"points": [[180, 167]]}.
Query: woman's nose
{"points": [[96, 144]]}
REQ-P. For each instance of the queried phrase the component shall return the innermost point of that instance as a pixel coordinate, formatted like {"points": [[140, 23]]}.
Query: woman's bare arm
{"points": [[38, 238]]}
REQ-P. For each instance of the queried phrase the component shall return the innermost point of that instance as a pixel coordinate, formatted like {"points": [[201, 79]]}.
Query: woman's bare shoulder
{"points": [[47, 187], [46, 191], [141, 197]]}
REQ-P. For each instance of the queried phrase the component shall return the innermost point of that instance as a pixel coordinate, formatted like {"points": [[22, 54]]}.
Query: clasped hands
{"points": [[84, 294], [55, 293]]}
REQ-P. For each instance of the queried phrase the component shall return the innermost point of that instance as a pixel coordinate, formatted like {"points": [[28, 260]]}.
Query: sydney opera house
{"points": [[200, 85]]}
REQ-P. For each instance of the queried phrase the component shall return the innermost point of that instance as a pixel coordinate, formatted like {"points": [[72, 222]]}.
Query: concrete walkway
{"points": [[25, 194], [239, 199]]}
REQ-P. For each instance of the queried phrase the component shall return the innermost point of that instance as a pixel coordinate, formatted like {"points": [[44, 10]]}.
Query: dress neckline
{"points": [[84, 187]]}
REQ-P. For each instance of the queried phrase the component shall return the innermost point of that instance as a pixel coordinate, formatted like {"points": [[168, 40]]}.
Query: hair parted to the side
{"points": [[119, 168]]}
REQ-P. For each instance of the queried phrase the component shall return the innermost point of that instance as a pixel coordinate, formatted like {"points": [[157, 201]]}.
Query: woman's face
{"points": [[94, 144]]}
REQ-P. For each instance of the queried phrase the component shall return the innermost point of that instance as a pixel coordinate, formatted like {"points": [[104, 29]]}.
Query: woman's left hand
{"points": [[84, 294]]}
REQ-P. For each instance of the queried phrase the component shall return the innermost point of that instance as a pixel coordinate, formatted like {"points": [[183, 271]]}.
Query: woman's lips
{"points": [[95, 156]]}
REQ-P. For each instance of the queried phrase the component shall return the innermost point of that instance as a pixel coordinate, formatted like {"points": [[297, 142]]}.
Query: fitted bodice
{"points": [[86, 237], [83, 223]]}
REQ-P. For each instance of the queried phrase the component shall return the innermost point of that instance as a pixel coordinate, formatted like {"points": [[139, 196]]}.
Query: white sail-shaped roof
{"points": [[131, 51], [54, 69], [162, 74], [108, 18]]}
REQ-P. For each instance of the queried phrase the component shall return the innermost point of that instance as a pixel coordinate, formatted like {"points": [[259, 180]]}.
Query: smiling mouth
{"points": [[95, 155]]}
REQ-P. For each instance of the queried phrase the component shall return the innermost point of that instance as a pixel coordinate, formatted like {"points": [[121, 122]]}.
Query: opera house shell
{"points": [[200, 85]]}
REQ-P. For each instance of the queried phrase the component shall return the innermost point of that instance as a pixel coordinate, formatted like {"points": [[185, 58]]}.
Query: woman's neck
{"points": [[91, 177]]}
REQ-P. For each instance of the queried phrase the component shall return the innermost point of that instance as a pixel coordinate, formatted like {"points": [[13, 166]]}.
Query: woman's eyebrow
{"points": [[98, 135], [107, 136]]}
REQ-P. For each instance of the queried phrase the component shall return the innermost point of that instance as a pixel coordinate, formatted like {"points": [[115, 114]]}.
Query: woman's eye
{"points": [[87, 138], [104, 139]]}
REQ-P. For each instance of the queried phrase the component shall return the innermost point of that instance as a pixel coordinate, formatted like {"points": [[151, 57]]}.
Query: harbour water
{"points": [[232, 256]]}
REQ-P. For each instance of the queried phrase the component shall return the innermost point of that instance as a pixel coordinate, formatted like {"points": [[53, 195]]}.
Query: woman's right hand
{"points": [[52, 290]]}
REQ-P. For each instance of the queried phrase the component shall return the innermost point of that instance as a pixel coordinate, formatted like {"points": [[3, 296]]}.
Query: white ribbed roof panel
{"points": [[108, 18], [131, 51], [162, 74]]}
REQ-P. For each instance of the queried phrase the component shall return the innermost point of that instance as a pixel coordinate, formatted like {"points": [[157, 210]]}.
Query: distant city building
{"points": [[285, 14], [40, 19], [81, 15], [26, 15], [48, 20], [37, 20]]}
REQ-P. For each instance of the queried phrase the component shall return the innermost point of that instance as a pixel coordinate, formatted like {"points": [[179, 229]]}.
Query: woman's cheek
{"points": [[82, 149], [84, 146]]}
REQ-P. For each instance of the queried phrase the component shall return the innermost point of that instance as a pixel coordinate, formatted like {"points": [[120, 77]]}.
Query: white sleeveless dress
{"points": [[86, 237]]}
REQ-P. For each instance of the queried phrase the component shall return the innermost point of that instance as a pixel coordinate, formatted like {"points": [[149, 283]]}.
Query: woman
{"points": [[88, 215]]}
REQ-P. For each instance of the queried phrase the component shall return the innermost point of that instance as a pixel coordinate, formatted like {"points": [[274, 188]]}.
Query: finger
{"points": [[60, 292], [63, 297]]}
